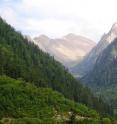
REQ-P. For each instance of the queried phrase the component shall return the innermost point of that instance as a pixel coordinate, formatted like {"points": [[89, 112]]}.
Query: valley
{"points": [[97, 69], [37, 89], [69, 50], [58, 62], [87, 64]]}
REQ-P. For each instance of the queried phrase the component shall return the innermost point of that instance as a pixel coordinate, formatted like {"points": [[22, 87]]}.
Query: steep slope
{"points": [[103, 76], [22, 59], [21, 102], [68, 49], [89, 60], [104, 71]]}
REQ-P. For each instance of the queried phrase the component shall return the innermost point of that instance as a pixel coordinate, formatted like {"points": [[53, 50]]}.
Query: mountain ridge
{"points": [[68, 49], [87, 64], [105, 62], [102, 78]]}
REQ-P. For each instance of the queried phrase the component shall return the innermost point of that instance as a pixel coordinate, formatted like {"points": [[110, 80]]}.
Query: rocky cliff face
{"points": [[89, 60], [105, 68], [103, 76]]}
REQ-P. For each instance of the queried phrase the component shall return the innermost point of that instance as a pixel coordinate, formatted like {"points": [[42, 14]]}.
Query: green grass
{"points": [[19, 99]]}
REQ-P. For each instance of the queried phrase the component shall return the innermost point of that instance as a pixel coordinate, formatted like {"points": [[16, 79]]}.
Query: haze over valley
{"points": [[69, 49]]}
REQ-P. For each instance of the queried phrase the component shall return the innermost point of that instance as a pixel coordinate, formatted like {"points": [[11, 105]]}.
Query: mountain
{"points": [[68, 50], [103, 76], [22, 59], [104, 70], [89, 60]]}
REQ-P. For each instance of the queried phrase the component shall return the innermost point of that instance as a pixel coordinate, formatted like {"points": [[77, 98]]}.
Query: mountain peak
{"points": [[68, 50], [70, 36], [89, 60], [112, 33], [44, 36], [114, 26]]}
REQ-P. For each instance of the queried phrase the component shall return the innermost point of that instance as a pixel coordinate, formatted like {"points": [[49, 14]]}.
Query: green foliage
{"points": [[22, 100], [88, 122], [24, 103], [22, 59], [109, 94], [26, 121], [106, 121]]}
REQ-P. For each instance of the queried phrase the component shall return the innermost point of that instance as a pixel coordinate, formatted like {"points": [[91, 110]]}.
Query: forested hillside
{"points": [[22, 59]]}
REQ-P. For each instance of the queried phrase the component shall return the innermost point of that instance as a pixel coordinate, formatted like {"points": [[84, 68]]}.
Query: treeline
{"points": [[21, 59]]}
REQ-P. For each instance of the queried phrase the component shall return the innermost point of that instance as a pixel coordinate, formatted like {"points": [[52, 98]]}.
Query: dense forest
{"points": [[22, 60]]}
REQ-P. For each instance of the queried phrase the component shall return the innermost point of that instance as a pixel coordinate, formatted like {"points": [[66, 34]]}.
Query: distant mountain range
{"points": [[69, 50], [89, 60]]}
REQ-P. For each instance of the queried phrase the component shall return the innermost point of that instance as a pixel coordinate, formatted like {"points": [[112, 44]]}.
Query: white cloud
{"points": [[9, 15], [58, 17], [51, 27]]}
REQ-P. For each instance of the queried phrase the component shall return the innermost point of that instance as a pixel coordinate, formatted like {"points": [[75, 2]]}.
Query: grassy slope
{"points": [[22, 100]]}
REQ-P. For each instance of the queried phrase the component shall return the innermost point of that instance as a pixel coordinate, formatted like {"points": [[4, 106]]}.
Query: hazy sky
{"points": [[55, 18]]}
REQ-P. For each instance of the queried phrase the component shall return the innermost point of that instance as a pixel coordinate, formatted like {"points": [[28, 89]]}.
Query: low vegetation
{"points": [[19, 99]]}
